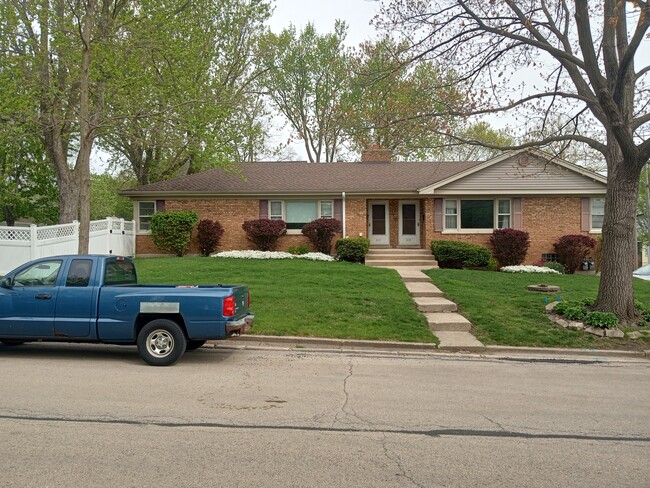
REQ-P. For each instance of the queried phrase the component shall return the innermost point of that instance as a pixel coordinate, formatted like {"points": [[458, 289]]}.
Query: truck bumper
{"points": [[241, 326]]}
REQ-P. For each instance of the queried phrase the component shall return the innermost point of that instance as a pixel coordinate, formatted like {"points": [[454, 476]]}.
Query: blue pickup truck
{"points": [[93, 298]]}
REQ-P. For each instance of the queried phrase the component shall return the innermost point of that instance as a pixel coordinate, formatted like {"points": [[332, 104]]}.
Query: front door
{"points": [[409, 223], [378, 228]]}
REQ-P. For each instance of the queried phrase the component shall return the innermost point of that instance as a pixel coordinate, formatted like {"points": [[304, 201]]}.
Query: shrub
{"points": [[172, 231], [575, 312], [510, 246], [320, 233], [209, 233], [264, 233], [352, 249], [455, 254], [572, 250], [605, 320], [298, 250]]}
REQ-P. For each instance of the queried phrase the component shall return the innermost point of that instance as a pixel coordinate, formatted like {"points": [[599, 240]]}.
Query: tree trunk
{"points": [[616, 292]]}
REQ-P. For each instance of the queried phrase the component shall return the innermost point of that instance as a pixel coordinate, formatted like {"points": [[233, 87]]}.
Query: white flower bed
{"points": [[313, 256], [529, 269]]}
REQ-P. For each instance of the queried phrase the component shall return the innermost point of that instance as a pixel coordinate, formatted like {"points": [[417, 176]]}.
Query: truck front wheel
{"points": [[161, 342]]}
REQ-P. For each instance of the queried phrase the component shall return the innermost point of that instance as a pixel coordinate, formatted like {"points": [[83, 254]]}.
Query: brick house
{"points": [[394, 204]]}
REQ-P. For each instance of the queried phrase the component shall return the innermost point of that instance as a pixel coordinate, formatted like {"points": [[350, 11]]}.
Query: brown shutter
{"points": [[437, 210], [160, 205], [585, 214], [264, 209], [338, 210], [517, 217]]}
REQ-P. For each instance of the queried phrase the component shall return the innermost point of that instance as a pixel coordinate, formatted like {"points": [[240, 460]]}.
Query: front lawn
{"points": [[504, 312], [306, 298]]}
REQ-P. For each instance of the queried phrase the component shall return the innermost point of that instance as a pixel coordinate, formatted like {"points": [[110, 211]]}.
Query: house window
{"points": [[503, 214], [275, 212], [451, 214], [326, 209], [297, 213], [550, 257], [597, 213], [145, 212], [477, 214]]}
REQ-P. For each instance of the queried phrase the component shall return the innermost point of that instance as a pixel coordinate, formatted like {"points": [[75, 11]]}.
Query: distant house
{"points": [[394, 204]]}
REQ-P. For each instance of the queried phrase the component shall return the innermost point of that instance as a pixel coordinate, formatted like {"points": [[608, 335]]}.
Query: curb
{"points": [[431, 348]]}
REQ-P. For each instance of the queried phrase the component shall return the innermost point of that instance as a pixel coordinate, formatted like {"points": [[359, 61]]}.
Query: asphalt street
{"points": [[87, 415]]}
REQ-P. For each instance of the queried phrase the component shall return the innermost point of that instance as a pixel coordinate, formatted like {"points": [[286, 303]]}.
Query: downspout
{"points": [[343, 212]]}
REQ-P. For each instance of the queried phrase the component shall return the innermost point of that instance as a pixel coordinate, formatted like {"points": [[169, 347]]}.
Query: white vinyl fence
{"points": [[21, 244]]}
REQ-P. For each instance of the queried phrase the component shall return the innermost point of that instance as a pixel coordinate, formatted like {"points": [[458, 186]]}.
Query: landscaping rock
{"points": [[549, 308], [614, 333], [575, 325], [562, 322], [634, 335], [595, 331]]}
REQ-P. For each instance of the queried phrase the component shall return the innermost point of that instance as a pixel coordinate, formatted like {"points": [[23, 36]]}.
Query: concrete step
{"points": [[423, 290], [434, 304], [459, 341], [391, 263], [399, 257], [412, 274], [398, 250], [448, 321]]}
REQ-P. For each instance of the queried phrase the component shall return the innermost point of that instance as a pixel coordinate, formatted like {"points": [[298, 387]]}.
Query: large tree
{"points": [[61, 45], [388, 96], [584, 61], [306, 78], [188, 85]]}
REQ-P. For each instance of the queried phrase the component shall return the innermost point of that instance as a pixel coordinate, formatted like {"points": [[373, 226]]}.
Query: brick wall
{"points": [[544, 218], [356, 217], [231, 214]]}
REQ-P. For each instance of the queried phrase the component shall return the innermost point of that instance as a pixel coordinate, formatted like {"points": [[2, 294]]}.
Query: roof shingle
{"points": [[302, 177]]}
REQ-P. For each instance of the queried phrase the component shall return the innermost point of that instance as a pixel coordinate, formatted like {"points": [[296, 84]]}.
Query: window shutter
{"points": [[517, 217], [437, 206], [264, 209], [338, 210], [160, 205], [586, 214]]}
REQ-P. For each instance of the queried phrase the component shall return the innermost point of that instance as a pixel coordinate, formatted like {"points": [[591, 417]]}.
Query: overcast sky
{"points": [[323, 13]]}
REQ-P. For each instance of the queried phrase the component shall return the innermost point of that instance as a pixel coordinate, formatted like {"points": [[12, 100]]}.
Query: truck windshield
{"points": [[120, 273]]}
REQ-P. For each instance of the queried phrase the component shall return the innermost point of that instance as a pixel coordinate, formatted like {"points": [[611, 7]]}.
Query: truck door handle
{"points": [[43, 296]]}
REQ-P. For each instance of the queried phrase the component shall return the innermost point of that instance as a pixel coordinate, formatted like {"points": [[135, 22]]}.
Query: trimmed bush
{"points": [[264, 233], [572, 250], [209, 233], [320, 233], [510, 246], [172, 231], [352, 249], [455, 254]]}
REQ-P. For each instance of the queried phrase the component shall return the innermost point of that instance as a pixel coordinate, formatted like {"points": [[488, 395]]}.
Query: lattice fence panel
{"points": [[15, 235], [45, 233]]}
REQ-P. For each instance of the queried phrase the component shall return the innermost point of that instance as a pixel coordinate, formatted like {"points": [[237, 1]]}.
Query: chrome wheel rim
{"points": [[160, 343]]}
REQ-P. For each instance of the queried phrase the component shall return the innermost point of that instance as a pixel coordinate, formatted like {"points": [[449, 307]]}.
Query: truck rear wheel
{"points": [[161, 342]]}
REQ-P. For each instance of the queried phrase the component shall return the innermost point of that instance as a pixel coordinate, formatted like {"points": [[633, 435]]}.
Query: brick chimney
{"points": [[376, 154]]}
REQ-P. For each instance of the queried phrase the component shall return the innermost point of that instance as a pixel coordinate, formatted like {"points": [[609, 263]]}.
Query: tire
{"points": [[12, 342], [194, 345], [161, 342]]}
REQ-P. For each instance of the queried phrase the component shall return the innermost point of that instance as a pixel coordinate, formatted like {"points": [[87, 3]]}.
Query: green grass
{"points": [[504, 312], [306, 298]]}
